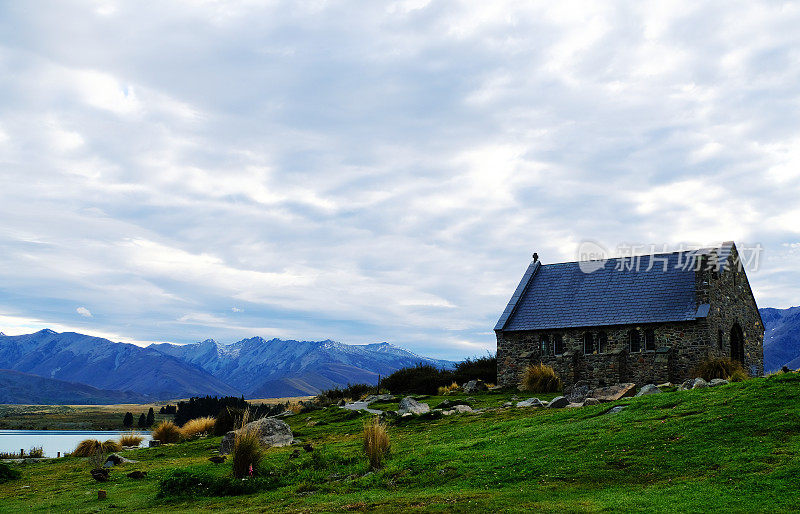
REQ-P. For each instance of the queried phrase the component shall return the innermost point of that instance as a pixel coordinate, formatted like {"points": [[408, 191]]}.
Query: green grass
{"points": [[734, 448]]}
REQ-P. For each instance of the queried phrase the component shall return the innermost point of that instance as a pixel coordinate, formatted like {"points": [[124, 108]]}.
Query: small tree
{"points": [[151, 417], [142, 421], [128, 420]]}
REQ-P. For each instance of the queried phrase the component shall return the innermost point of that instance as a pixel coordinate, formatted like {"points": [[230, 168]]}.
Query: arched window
{"points": [[602, 342], [634, 341], [545, 344], [588, 343], [558, 344], [650, 340]]}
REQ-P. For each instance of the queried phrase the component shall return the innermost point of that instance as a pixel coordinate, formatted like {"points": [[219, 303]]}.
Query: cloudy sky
{"points": [[377, 171]]}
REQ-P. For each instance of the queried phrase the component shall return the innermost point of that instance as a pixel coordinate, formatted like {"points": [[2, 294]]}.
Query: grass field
{"points": [[88, 417], [733, 448]]}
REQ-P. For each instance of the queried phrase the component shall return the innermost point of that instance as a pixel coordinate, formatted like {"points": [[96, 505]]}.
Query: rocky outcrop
{"points": [[409, 405]]}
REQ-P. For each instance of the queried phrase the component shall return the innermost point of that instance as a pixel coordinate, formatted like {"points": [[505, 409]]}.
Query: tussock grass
{"points": [[198, 427], [167, 432], [452, 388], [540, 378], [247, 451], [376, 442], [131, 438], [726, 368], [89, 447]]}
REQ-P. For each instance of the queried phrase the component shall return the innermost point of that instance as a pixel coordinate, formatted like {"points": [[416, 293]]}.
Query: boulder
{"points": [[271, 432], [614, 392], [409, 405], [699, 383], [665, 385], [718, 382], [648, 389], [616, 410], [559, 402], [461, 409], [578, 392], [115, 460], [591, 401], [573, 405], [530, 402], [475, 386]]}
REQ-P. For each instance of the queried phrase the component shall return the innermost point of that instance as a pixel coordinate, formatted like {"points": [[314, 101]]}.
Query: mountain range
{"points": [[781, 338], [255, 367]]}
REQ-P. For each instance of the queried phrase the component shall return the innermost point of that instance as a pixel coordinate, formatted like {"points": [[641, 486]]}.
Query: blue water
{"points": [[54, 441]]}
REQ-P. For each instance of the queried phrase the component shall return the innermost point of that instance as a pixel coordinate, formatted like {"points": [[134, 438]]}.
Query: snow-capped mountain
{"points": [[781, 338], [276, 367]]}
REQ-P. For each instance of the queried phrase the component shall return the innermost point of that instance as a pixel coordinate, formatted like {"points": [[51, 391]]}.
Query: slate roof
{"points": [[563, 295]]}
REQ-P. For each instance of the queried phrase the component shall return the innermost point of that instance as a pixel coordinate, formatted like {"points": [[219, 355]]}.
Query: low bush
{"points": [[710, 369], [36, 452], [376, 442], [452, 388], [420, 379], [480, 368], [247, 451], [351, 392], [89, 447], [198, 427], [131, 438], [540, 378], [182, 483], [7, 473], [166, 432]]}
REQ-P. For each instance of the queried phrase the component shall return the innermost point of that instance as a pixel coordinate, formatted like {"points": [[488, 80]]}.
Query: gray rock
{"points": [[699, 383], [665, 385], [508, 404], [648, 389], [686, 385], [578, 392], [461, 409], [574, 405], [271, 432], [409, 405], [530, 402], [614, 392], [559, 402], [718, 382], [475, 386], [616, 410], [591, 401]]}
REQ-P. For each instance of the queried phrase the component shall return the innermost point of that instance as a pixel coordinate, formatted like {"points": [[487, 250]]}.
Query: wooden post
{"points": [[58, 455], [101, 494], [21, 452]]}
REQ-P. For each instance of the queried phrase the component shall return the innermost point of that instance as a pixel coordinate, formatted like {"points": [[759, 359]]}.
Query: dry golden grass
{"points": [[540, 378], [89, 447], [724, 367], [295, 407], [198, 427], [167, 432], [376, 442], [452, 388], [247, 451], [131, 438]]}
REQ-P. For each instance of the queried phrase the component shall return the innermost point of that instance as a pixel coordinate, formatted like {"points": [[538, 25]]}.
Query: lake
{"points": [[54, 441]]}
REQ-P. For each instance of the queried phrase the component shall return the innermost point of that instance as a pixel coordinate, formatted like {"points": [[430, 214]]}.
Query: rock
{"points": [[217, 459], [102, 494], [449, 404], [271, 432], [495, 388], [666, 385], [153, 443], [578, 392], [101, 475], [448, 412], [591, 401], [406, 415], [686, 385], [648, 389], [379, 398], [136, 475], [412, 406], [699, 383], [508, 404], [475, 386], [616, 410], [614, 392], [559, 402], [718, 382], [573, 405], [530, 402], [285, 414], [115, 460], [461, 409]]}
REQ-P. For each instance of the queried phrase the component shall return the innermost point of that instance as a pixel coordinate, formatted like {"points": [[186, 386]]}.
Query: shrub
{"points": [[127, 420], [452, 388], [7, 473], [167, 432], [182, 483], [376, 442], [197, 427], [247, 451], [420, 379], [132, 438], [36, 452], [228, 418], [710, 369], [142, 423], [89, 447], [480, 368], [540, 378], [351, 392]]}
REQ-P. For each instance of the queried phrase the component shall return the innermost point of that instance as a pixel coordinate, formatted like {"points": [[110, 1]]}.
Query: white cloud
{"points": [[83, 311]]}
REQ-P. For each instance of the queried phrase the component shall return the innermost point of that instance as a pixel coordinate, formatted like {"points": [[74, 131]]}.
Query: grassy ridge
{"points": [[733, 448]]}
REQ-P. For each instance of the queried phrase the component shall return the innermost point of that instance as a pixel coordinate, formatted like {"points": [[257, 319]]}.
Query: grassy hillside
{"points": [[732, 448]]}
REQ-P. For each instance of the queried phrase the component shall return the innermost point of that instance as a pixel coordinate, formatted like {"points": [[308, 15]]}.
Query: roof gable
{"points": [[564, 296]]}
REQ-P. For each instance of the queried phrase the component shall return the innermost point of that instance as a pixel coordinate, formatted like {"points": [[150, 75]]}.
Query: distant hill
{"points": [[22, 388], [275, 368], [255, 367], [104, 364], [781, 338]]}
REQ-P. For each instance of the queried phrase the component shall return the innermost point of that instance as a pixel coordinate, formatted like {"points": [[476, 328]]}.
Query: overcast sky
{"points": [[377, 171]]}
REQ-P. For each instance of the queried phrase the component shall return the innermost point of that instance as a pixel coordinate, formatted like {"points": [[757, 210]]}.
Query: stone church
{"points": [[645, 319]]}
